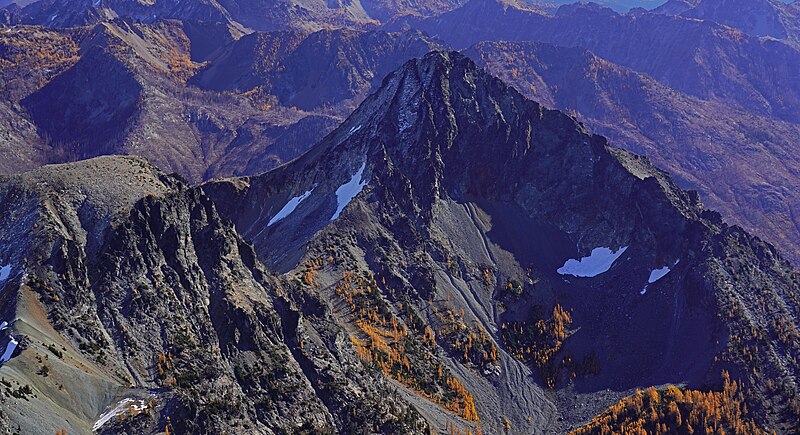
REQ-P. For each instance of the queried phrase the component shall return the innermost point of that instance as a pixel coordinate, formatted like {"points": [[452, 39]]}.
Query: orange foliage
{"points": [[487, 277], [539, 342], [311, 270], [673, 410], [470, 342], [391, 347], [180, 66]]}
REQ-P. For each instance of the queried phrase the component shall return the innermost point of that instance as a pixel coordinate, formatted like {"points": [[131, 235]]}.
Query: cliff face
{"points": [[128, 290], [473, 206]]}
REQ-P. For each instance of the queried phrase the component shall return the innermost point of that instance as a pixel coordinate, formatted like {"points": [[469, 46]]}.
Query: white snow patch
{"points": [[123, 406], [599, 261], [657, 274], [5, 271], [354, 129], [3, 325], [289, 207], [347, 191], [12, 344]]}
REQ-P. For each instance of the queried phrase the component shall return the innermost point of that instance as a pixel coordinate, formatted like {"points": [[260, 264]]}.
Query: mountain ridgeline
{"points": [[262, 15], [452, 257], [127, 290]]}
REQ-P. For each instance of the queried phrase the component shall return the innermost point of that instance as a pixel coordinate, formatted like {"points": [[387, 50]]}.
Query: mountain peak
{"points": [[435, 92], [430, 113], [439, 127]]}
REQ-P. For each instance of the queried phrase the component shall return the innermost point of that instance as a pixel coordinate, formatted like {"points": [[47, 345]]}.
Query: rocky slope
{"points": [[124, 288], [554, 274]]}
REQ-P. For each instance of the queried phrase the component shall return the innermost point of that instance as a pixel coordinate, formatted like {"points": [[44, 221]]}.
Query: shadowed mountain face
{"points": [[124, 91], [742, 164], [127, 95], [706, 101], [460, 196]]}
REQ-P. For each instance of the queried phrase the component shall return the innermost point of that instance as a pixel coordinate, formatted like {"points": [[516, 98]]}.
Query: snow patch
{"points": [[289, 207], [12, 344], [657, 274], [599, 261], [124, 406], [3, 325], [5, 271], [353, 130], [347, 191]]}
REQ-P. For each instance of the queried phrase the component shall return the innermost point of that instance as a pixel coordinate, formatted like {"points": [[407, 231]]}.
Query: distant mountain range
{"points": [[262, 15], [124, 92], [771, 18]]}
